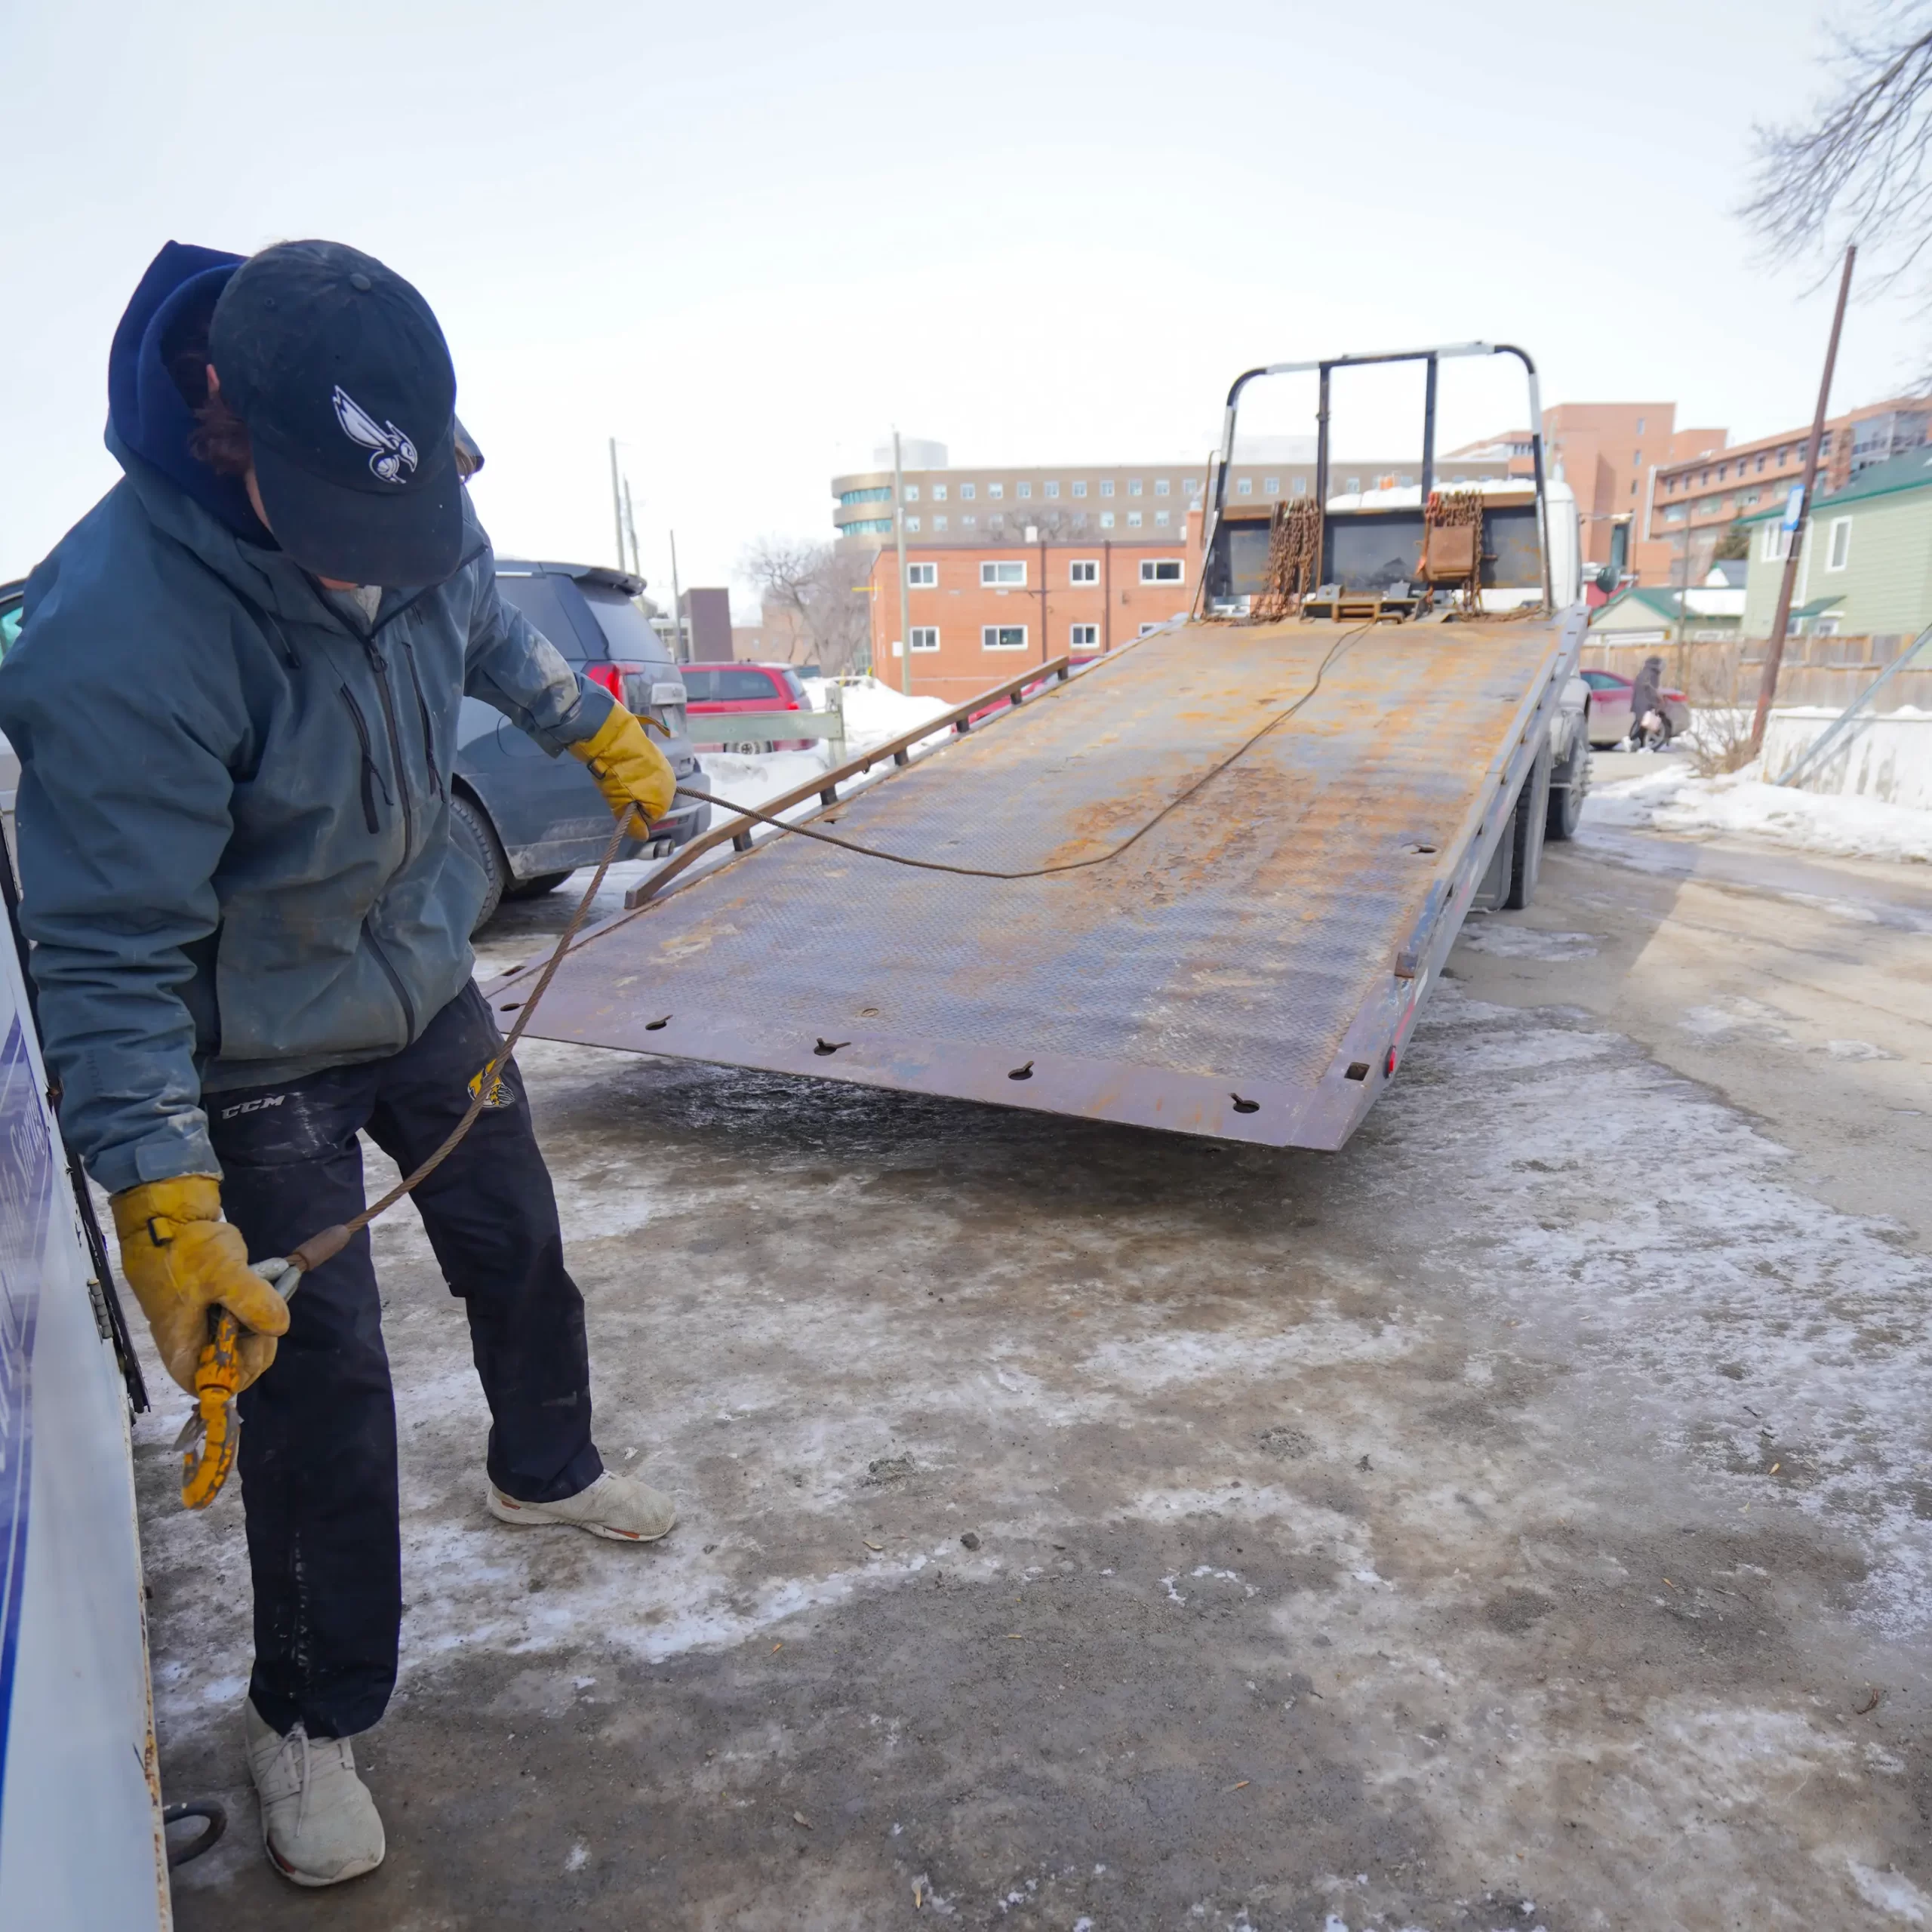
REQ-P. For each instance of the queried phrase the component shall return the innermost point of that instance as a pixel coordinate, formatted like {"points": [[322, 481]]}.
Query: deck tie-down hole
{"points": [[1423, 851], [1358, 1069], [1244, 1106], [1022, 1072], [657, 1025], [826, 1048], [509, 1006]]}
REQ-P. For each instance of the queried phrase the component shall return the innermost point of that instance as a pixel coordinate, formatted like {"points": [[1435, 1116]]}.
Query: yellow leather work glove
{"points": [[181, 1259], [630, 771]]}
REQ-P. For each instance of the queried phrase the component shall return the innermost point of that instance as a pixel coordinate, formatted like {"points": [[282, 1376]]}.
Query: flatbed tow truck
{"points": [[1246, 842]]}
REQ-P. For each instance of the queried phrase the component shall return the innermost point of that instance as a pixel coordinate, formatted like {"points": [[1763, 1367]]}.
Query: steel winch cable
{"points": [[1173, 804]]}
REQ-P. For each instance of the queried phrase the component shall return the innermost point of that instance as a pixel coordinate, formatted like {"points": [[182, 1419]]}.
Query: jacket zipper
{"points": [[394, 978], [380, 666], [371, 777], [423, 712]]}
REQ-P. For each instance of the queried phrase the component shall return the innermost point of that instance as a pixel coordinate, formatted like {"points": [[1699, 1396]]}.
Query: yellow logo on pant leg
{"points": [[500, 1096]]}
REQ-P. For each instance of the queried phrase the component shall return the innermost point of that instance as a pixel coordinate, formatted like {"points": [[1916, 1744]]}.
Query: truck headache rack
{"points": [[1249, 969]]}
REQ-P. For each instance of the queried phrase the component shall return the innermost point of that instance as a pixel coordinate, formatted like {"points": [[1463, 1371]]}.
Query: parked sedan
{"points": [[718, 690], [530, 820], [1610, 708]]}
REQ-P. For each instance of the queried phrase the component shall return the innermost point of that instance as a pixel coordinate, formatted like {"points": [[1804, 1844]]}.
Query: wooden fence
{"points": [[1826, 671]]}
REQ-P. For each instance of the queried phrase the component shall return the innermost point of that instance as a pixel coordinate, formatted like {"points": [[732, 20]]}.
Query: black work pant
{"points": [[317, 1451]]}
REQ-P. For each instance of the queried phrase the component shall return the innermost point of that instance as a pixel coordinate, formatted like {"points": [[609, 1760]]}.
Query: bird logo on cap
{"points": [[391, 452]]}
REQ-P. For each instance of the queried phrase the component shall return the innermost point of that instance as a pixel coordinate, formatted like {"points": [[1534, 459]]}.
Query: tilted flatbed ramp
{"points": [[1249, 969]]}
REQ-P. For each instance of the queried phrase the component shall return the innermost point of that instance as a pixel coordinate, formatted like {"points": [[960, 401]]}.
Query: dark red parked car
{"points": [[716, 691]]}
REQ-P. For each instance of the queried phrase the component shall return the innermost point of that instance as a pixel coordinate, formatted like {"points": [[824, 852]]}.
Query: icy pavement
{"points": [[1521, 1519]]}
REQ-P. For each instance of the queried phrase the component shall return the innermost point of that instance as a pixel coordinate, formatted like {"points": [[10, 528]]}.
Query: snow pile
{"points": [[1740, 804], [875, 713]]}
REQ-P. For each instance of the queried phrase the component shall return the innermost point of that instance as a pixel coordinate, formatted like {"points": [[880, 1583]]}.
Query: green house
{"points": [[1865, 568]]}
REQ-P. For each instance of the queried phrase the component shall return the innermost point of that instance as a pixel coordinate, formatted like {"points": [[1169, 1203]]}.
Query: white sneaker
{"points": [[619, 1507], [319, 1824]]}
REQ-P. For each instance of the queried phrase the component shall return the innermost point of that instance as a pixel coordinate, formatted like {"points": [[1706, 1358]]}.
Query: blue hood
{"points": [[147, 416]]}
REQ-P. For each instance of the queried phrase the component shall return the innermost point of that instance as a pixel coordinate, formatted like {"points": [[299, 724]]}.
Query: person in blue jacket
{"points": [[234, 700]]}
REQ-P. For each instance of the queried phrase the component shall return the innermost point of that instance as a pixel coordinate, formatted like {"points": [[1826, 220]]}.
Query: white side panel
{"points": [[80, 1819]]}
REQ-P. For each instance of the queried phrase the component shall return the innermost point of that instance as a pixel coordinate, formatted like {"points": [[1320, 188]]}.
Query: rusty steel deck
{"points": [[1249, 969]]}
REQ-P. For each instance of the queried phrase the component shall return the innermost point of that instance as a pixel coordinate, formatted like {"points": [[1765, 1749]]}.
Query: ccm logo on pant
{"points": [[252, 1107]]}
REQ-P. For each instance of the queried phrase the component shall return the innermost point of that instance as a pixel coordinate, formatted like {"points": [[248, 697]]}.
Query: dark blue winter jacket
{"points": [[233, 817]]}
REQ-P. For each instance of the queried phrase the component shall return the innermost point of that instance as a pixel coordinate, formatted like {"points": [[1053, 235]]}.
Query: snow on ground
{"points": [[1674, 799]]}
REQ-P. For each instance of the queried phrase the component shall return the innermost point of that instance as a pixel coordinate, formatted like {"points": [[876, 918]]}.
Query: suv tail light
{"points": [[611, 676]]}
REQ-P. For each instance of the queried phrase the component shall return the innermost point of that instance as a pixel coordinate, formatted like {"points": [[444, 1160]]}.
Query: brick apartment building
{"points": [[1695, 501], [1119, 502], [1606, 452], [980, 611]]}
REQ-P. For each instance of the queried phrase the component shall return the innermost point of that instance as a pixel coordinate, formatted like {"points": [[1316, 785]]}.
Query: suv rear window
{"points": [[536, 598], [718, 683], [625, 629]]}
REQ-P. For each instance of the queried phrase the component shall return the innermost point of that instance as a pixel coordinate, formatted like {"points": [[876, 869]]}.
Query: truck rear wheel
{"points": [[1566, 794], [1531, 818]]}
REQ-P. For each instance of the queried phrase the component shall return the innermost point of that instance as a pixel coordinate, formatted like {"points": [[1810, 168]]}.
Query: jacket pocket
{"points": [[372, 775]]}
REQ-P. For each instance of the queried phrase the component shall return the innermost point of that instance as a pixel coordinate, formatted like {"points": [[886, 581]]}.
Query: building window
{"points": [[1051, 489], [1748, 499], [1160, 570], [1838, 552], [1106, 519], [1160, 517], [1271, 486], [1083, 570], [1301, 486], [1675, 514], [967, 491], [1080, 519], [1245, 487], [996, 491], [1133, 487], [1003, 573], [1777, 543], [1106, 486], [881, 495], [1160, 486], [1134, 519], [1002, 637], [1084, 636], [1640, 426], [969, 523], [1637, 458], [1760, 462], [1023, 489], [997, 521], [1354, 486], [912, 525], [925, 637], [1080, 489], [939, 523], [922, 576], [1192, 486], [939, 493], [878, 526], [912, 493]]}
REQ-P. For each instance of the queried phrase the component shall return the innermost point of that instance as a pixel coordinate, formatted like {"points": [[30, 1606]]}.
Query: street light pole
{"points": [[1768, 685], [899, 536], [616, 503]]}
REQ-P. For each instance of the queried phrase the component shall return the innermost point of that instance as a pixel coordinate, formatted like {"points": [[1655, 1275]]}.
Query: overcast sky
{"points": [[747, 239]]}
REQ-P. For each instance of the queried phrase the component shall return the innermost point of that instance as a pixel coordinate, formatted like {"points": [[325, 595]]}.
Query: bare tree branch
{"points": [[1858, 170], [814, 587]]}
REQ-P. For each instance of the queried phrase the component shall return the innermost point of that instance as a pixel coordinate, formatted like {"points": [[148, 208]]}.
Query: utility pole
{"points": [[616, 503], [1768, 685], [630, 529], [678, 649], [899, 538]]}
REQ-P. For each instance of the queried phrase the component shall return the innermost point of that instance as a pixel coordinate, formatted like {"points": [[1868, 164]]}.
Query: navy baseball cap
{"points": [[338, 369]]}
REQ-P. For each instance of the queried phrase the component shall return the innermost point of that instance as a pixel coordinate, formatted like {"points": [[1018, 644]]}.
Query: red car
{"points": [[1610, 708], [715, 691]]}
